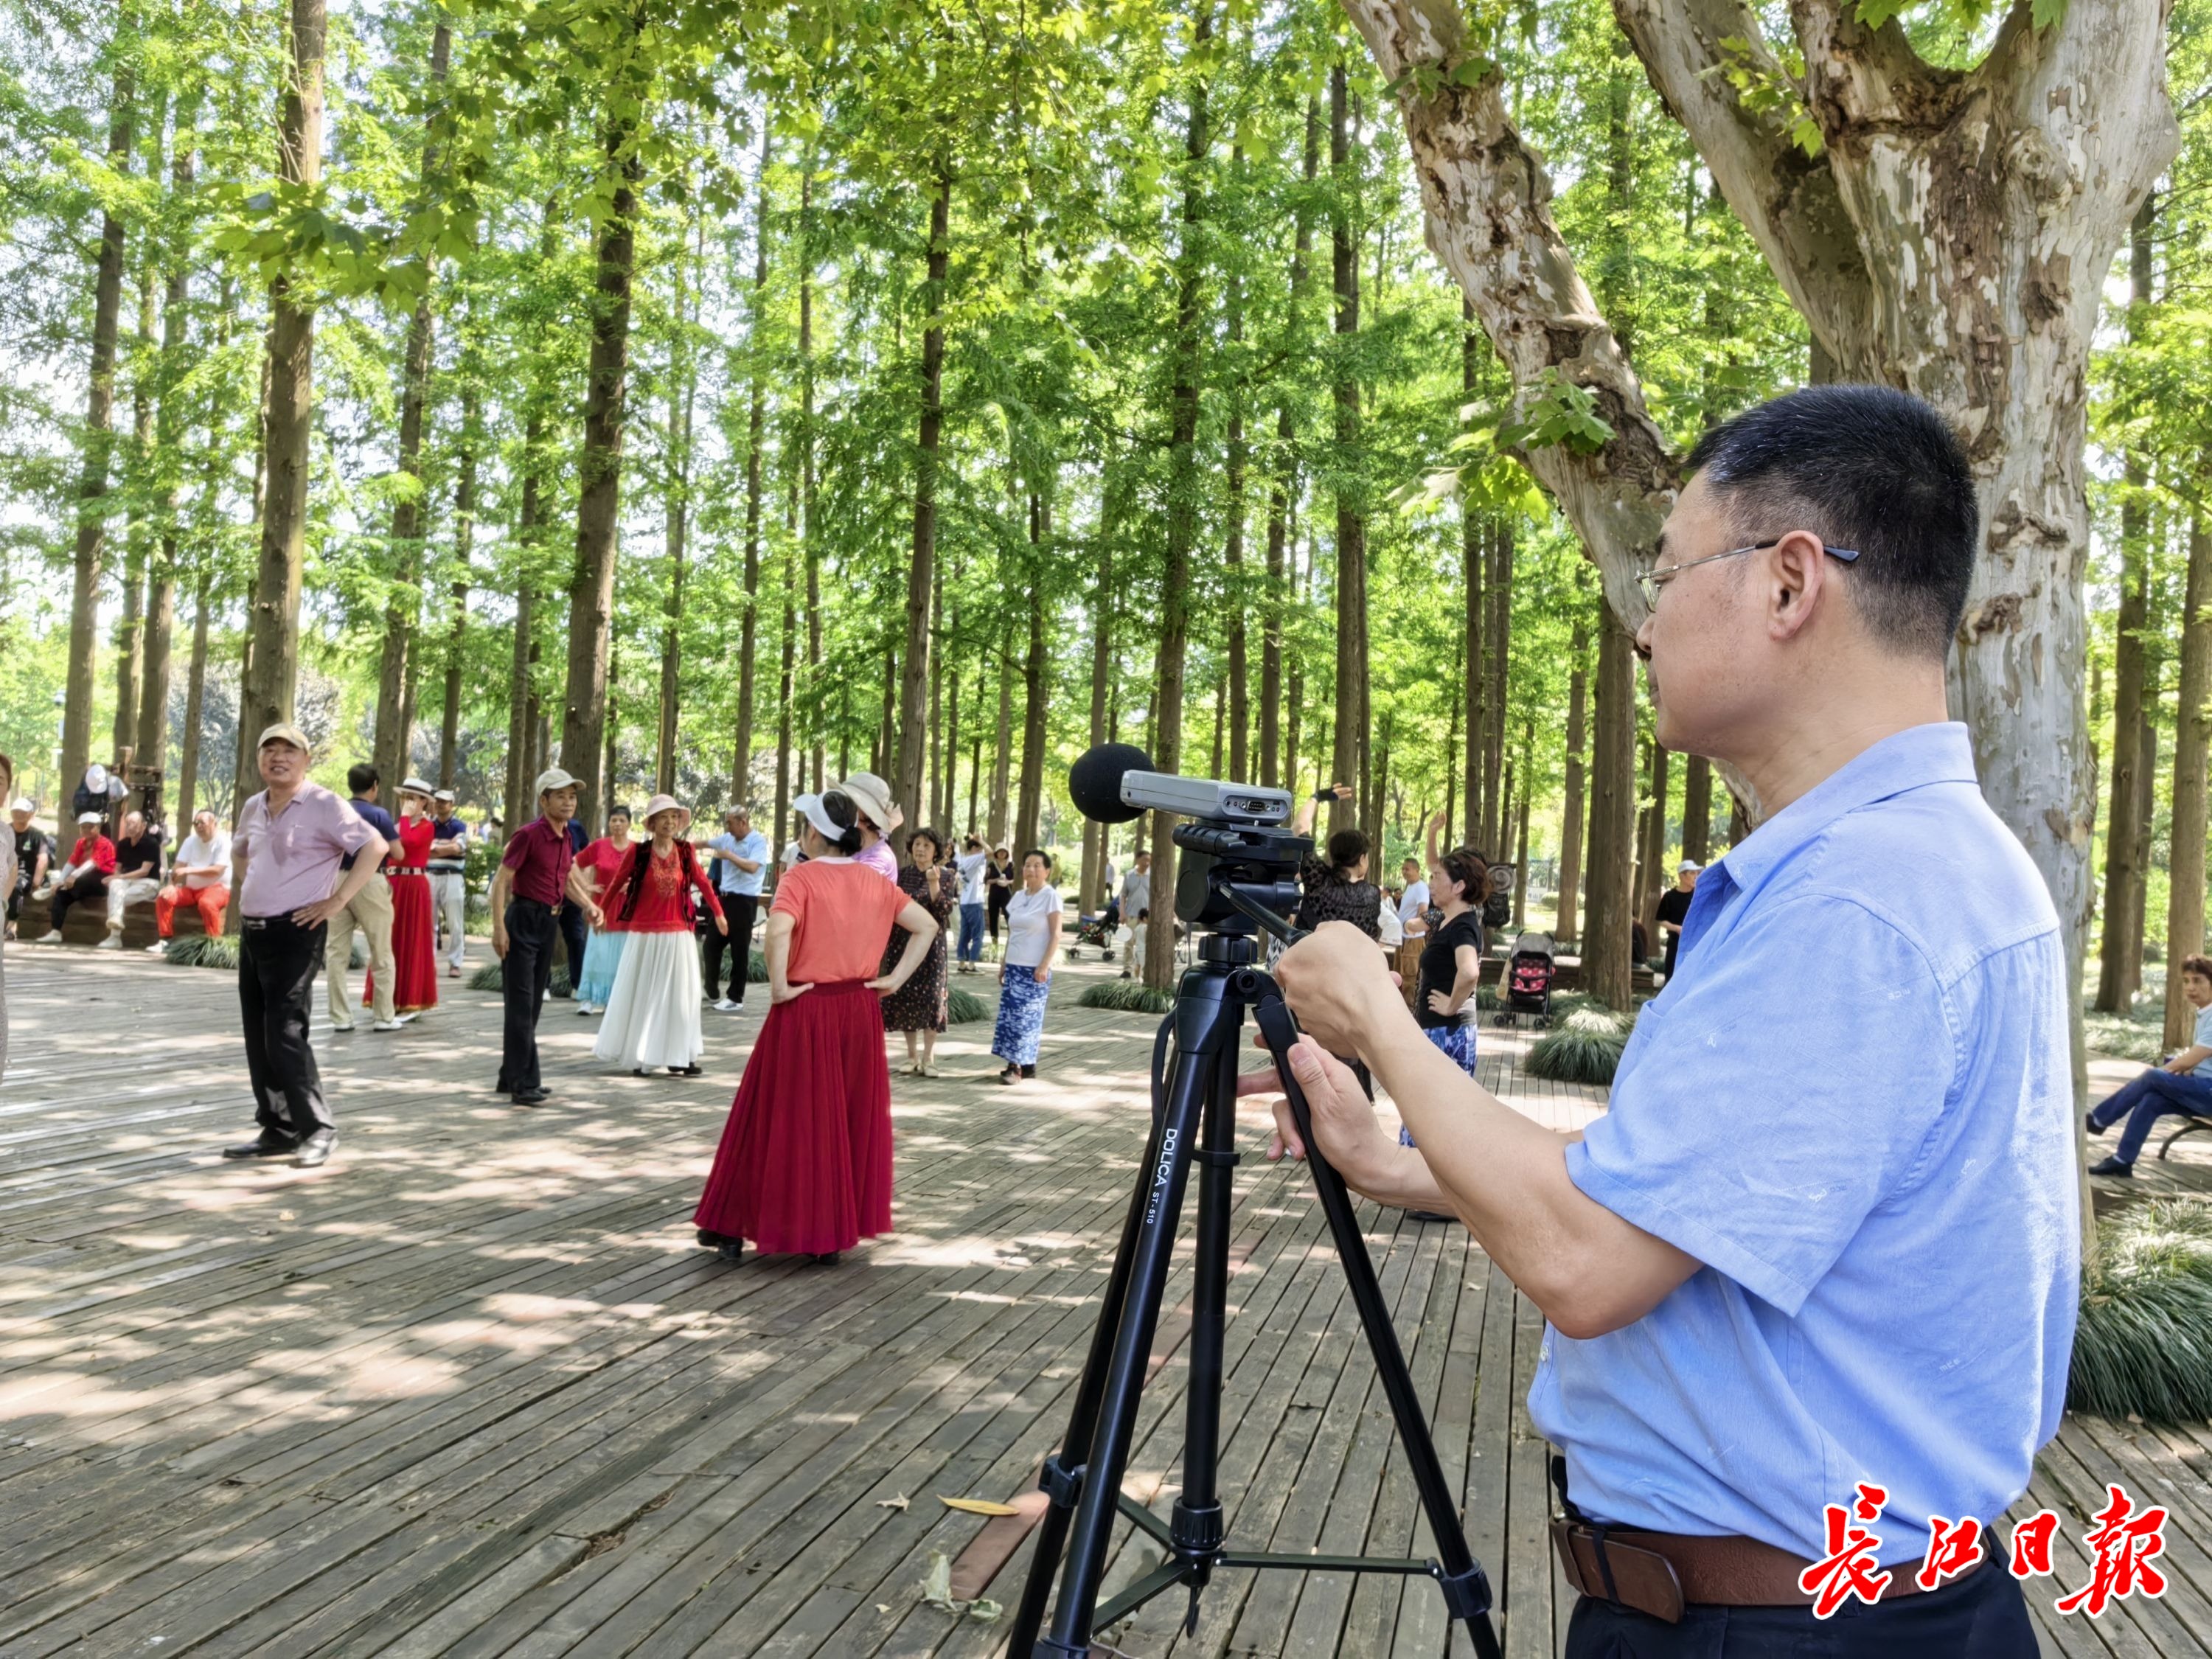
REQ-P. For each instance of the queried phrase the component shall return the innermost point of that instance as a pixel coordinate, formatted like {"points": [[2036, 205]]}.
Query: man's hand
{"points": [[1344, 1122], [721, 922], [315, 915], [499, 941], [1338, 985]]}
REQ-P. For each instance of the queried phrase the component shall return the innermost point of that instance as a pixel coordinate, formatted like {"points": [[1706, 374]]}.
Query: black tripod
{"points": [[1084, 1478]]}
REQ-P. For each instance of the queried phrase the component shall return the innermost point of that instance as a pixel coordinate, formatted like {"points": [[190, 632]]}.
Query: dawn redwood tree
{"points": [[1947, 231]]}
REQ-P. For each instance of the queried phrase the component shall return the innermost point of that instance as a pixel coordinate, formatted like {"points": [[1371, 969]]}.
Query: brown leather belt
{"points": [[1660, 1573]]}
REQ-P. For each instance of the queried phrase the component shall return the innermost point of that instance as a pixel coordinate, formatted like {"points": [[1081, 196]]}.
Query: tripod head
{"points": [[1241, 871]]}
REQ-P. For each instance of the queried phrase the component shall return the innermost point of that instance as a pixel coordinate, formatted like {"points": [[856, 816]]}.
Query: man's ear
{"points": [[1795, 576]]}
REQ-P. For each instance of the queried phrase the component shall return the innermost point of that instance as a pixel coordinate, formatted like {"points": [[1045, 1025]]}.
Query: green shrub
{"points": [[2143, 1348], [492, 976], [202, 952], [1129, 995], [1582, 1048]]}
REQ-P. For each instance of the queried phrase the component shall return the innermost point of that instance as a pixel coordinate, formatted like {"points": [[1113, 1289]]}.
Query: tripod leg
{"points": [[1198, 1526], [1466, 1591], [1052, 1530], [1153, 1249]]}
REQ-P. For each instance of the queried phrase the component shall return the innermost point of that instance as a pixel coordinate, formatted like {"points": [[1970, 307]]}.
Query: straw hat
{"points": [[873, 796], [416, 787], [666, 804]]}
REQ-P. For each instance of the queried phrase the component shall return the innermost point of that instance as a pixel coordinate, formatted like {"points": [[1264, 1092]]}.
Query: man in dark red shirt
{"points": [[91, 862], [536, 877]]}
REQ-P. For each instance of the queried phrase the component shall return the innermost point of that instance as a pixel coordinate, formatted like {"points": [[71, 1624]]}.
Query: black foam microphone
{"points": [[1094, 782]]}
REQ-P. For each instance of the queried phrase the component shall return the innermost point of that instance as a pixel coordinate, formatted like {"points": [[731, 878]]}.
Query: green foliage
{"points": [[2143, 1348], [492, 976], [1585, 1047], [963, 1007], [203, 950], [1128, 995]]}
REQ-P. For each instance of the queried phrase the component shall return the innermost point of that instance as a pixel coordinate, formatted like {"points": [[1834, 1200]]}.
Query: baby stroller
{"points": [[1526, 987], [1095, 931]]}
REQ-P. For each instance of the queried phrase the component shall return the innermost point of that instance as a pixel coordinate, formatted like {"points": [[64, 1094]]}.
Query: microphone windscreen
{"points": [[1094, 782]]}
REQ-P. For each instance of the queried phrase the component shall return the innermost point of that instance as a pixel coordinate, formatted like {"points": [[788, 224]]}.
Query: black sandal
{"points": [[683, 1070], [823, 1259]]}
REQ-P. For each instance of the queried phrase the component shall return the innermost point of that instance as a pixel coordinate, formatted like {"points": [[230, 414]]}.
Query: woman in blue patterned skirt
{"points": [[1033, 916]]}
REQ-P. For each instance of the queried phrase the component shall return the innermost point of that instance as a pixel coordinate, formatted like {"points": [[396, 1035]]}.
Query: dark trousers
{"points": [[276, 964], [575, 939], [2145, 1099], [740, 910], [532, 931], [1981, 1616], [91, 887]]}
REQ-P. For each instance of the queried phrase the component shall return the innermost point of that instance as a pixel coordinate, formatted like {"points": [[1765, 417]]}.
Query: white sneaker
{"points": [[159, 947], [408, 1018], [52, 936], [586, 1008], [387, 1025], [113, 942], [726, 1006]]}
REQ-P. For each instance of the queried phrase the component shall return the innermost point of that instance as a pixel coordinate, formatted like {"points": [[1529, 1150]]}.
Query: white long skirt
{"points": [[653, 1017]]}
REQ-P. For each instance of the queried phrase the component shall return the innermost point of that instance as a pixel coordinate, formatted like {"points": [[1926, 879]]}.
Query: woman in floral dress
{"points": [[917, 1007]]}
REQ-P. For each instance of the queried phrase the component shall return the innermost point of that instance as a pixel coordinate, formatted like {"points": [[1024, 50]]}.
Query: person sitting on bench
{"points": [[200, 878], [138, 875], [2183, 1084], [91, 862]]}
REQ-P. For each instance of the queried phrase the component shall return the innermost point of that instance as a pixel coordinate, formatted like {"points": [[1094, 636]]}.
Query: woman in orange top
{"points": [[805, 1166]]}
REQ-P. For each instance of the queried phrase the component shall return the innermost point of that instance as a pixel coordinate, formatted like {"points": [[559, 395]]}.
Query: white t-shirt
{"points": [[1414, 900], [1392, 933], [971, 866], [192, 850], [1029, 915]]}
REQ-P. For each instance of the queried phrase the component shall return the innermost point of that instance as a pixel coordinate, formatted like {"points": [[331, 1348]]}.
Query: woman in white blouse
{"points": [[1033, 916]]}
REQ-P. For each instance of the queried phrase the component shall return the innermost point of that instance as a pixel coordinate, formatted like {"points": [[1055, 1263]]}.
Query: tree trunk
{"points": [[188, 746], [2192, 728], [2138, 922], [741, 762], [130, 626], [1609, 909], [678, 519], [592, 590], [1274, 767], [152, 739], [2124, 874], [921, 567], [1350, 756], [272, 671], [1697, 808], [786, 762], [1102, 659], [1570, 822], [1002, 756], [1036, 685], [99, 442], [1182, 507], [521, 695], [1656, 878], [1232, 553], [1500, 626], [806, 453], [935, 766], [464, 540]]}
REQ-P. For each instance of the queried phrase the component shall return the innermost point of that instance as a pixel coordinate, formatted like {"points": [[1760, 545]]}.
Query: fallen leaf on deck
{"points": [[892, 1502], [976, 1505]]}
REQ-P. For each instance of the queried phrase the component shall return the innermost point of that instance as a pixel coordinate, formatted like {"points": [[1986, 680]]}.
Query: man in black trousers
{"points": [[285, 858], [537, 881]]}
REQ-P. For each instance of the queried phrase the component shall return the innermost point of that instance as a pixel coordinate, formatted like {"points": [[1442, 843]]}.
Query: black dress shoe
{"points": [[317, 1148], [683, 1070], [531, 1097], [731, 1249], [2112, 1166], [269, 1143], [2089, 1122], [823, 1259]]}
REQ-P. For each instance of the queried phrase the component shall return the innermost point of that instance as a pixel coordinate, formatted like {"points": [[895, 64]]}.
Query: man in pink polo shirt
{"points": [[285, 856]]}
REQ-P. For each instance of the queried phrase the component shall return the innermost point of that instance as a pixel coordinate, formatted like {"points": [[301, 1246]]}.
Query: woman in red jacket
{"points": [[652, 1015]]}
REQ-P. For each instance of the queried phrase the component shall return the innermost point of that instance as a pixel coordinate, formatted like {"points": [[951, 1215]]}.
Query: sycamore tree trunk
{"points": [[188, 745], [2192, 731], [1102, 659], [1607, 963], [921, 567], [1232, 553], [1036, 682], [741, 760], [1697, 808], [591, 588], [1182, 509], [807, 455], [130, 626], [1275, 757], [1570, 827], [1349, 758], [1951, 239], [99, 442], [1002, 756], [273, 665], [677, 527]]}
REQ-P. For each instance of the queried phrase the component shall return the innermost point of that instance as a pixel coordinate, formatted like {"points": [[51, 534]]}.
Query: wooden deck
{"points": [[469, 1390]]}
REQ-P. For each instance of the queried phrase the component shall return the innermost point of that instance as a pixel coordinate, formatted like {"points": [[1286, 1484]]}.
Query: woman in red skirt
{"points": [[805, 1166], [414, 955]]}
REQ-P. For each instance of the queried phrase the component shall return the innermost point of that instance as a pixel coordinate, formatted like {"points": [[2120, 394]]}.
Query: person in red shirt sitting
{"points": [[91, 862], [652, 1013]]}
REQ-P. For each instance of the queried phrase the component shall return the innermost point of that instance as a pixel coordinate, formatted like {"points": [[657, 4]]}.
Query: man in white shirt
{"points": [[1413, 899], [973, 862], [200, 877], [448, 866], [738, 855], [1137, 887]]}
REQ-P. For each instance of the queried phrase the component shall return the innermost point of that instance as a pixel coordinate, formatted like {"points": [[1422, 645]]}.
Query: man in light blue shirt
{"points": [[2183, 1084], [739, 853], [1827, 1232]]}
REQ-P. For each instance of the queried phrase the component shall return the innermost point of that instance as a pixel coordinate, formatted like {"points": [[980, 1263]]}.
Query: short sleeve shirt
{"points": [[879, 859], [1853, 1104], [2203, 1040], [540, 856], [842, 914], [292, 859], [751, 845]]}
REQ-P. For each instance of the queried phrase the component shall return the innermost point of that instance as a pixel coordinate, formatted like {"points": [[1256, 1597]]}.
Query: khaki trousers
{"points": [[371, 912]]}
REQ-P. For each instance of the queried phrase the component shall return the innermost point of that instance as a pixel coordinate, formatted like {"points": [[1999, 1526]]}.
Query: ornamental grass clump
{"points": [[203, 951], [1129, 995], [492, 976], [1585, 1047], [2143, 1348]]}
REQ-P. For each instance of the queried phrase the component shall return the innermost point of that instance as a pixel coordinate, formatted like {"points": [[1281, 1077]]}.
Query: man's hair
{"points": [[1867, 468], [2201, 966], [361, 778]]}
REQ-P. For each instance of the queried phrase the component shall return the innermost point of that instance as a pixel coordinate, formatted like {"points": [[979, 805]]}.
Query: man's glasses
{"points": [[1652, 581]]}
